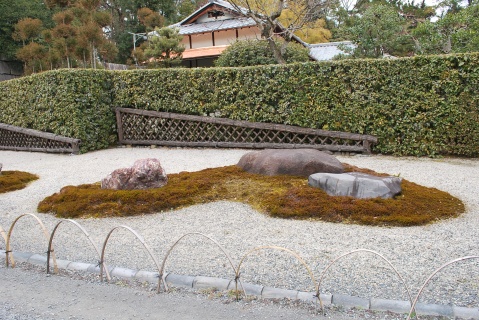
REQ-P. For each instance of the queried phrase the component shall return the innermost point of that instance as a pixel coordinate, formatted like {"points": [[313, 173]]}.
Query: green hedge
{"points": [[72, 103], [425, 105], [416, 106]]}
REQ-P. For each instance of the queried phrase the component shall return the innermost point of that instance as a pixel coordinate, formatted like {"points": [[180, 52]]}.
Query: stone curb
{"points": [[202, 282]]}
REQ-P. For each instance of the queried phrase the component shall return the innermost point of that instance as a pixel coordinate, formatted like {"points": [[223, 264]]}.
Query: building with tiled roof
{"points": [[208, 31]]}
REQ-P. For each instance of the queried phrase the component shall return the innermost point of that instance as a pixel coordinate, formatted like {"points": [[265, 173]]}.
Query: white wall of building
{"points": [[201, 40]]}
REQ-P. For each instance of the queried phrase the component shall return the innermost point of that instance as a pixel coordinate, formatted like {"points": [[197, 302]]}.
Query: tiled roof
{"points": [[217, 25], [326, 51], [224, 4]]}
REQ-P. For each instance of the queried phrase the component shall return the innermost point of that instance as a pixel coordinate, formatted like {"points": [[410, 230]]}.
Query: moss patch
{"points": [[15, 180], [279, 196]]}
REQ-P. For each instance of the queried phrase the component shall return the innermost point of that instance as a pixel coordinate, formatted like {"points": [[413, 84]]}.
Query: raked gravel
{"points": [[414, 251]]}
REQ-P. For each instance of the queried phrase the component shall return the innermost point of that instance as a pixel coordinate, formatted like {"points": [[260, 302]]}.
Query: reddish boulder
{"points": [[144, 174], [294, 162]]}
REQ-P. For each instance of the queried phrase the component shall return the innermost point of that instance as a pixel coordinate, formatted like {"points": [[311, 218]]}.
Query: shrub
{"points": [[253, 52]]}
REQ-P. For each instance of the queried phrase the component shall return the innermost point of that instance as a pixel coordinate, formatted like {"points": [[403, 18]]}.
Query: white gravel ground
{"points": [[415, 251]]}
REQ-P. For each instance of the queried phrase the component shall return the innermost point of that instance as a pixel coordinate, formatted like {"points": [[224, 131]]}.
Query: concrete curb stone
{"points": [[179, 280], [201, 282], [275, 293], [38, 260], [123, 272], [434, 310], [396, 306], [79, 266], [350, 301], [147, 276], [465, 313], [250, 289]]}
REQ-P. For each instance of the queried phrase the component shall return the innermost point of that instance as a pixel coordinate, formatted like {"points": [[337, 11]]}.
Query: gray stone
{"points": [[144, 174], [1, 168], [295, 162], [358, 185]]}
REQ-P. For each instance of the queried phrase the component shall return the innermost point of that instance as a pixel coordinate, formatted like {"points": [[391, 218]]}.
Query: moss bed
{"points": [[279, 196], [15, 180]]}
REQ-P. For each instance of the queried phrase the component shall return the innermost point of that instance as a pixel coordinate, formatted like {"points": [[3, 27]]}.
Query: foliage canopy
{"points": [[257, 52]]}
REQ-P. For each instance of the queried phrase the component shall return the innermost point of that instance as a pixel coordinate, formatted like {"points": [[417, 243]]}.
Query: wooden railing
{"points": [[22, 139], [142, 127]]}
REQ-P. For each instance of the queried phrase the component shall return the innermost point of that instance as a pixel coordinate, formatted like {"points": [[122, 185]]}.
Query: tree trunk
{"points": [[276, 51]]}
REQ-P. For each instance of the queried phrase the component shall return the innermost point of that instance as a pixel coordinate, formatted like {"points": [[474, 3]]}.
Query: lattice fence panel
{"points": [[161, 128], [21, 139]]}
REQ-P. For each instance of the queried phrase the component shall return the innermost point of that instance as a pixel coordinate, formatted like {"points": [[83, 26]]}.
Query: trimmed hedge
{"points": [[423, 106], [73, 103]]}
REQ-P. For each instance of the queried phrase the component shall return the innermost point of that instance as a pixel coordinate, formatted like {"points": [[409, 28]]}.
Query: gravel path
{"points": [[415, 251]]}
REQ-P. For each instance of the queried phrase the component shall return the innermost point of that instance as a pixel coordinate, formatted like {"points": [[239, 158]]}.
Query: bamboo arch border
{"points": [[4, 235], [212, 240], [50, 247], [9, 250], [365, 251], [430, 278], [9, 256], [291, 252], [142, 241]]}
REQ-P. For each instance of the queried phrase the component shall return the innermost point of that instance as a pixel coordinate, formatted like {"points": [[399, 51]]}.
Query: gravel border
{"points": [[415, 251]]}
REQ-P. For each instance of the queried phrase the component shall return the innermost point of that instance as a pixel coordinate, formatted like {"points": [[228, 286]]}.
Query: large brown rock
{"points": [[295, 162], [144, 174]]}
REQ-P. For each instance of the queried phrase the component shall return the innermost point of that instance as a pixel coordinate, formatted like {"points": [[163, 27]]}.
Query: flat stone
{"points": [[357, 185], [294, 162]]}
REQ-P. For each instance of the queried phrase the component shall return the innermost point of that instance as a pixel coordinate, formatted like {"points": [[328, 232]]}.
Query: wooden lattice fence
{"points": [[22, 139], [142, 127]]}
